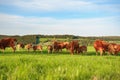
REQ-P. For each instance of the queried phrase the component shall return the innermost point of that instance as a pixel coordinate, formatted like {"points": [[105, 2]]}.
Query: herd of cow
{"points": [[57, 46], [103, 46]]}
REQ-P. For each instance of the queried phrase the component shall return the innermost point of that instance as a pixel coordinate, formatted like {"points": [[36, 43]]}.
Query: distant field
{"points": [[23, 65]]}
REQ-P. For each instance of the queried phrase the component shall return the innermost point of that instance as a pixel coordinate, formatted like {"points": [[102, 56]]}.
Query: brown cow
{"points": [[101, 46], [8, 42], [50, 48], [73, 47], [82, 49], [113, 48], [37, 47], [58, 46], [28, 46]]}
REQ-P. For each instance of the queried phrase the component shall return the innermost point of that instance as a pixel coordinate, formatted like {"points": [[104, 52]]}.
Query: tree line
{"points": [[83, 40]]}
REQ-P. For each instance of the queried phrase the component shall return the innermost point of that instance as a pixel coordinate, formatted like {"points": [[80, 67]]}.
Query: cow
{"points": [[8, 42], [73, 47], [50, 48], [113, 48], [20, 45], [82, 49], [58, 46], [37, 47], [28, 46], [101, 46]]}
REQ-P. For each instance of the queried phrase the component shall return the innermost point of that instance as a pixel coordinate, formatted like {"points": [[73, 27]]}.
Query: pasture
{"points": [[23, 65]]}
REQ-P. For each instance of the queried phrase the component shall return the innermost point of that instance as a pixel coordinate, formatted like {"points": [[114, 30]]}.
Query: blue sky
{"points": [[49, 17]]}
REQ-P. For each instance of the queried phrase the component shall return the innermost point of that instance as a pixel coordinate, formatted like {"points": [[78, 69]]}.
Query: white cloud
{"points": [[54, 5], [62, 5], [11, 24]]}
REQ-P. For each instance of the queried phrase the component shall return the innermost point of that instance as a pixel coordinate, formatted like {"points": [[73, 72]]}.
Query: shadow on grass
{"points": [[56, 53], [104, 54]]}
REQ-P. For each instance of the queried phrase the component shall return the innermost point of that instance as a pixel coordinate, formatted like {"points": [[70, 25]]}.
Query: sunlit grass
{"points": [[23, 65]]}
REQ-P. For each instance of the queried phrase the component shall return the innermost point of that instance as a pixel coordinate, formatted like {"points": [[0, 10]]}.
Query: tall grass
{"points": [[24, 65]]}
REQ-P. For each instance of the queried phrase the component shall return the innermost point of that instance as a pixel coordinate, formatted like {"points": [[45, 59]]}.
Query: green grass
{"points": [[24, 65]]}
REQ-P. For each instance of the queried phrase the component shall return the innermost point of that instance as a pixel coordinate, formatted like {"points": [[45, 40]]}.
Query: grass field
{"points": [[23, 65]]}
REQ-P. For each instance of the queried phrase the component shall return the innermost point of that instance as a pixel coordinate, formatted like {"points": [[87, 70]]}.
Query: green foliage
{"points": [[46, 38]]}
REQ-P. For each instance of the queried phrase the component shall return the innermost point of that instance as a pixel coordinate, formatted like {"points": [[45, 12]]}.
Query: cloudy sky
{"points": [[49, 17]]}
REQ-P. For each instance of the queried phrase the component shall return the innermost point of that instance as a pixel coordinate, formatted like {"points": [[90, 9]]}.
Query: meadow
{"points": [[23, 65]]}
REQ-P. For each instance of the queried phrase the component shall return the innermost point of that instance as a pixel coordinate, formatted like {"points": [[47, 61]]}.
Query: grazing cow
{"points": [[113, 48], [73, 47], [8, 42], [82, 49], [50, 48], [101, 46], [28, 46], [58, 46], [37, 47], [20, 45]]}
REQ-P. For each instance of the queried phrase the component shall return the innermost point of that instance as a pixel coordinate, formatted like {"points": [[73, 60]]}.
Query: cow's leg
{"points": [[101, 51], [28, 49], [18, 47], [51, 51], [48, 51], [41, 51], [71, 51], [116, 52], [82, 52], [96, 52], [33, 50], [104, 51], [85, 51], [54, 50], [3, 50], [109, 52], [76, 51], [61, 49], [14, 48]]}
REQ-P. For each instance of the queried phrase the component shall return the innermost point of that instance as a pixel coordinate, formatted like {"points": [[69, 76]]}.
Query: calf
{"points": [[113, 48], [20, 45], [50, 48], [28, 46], [58, 46], [37, 47], [82, 49]]}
